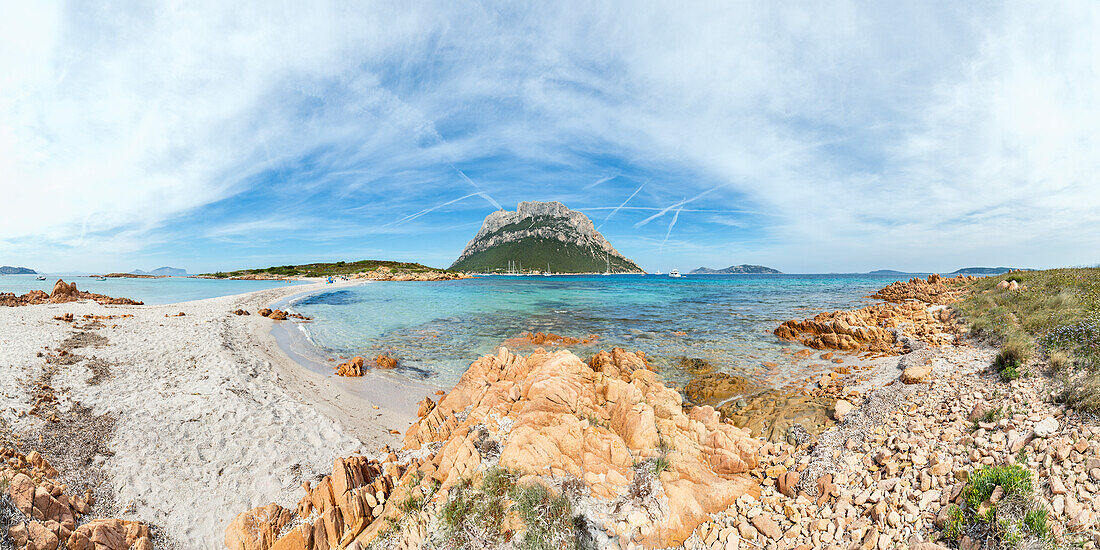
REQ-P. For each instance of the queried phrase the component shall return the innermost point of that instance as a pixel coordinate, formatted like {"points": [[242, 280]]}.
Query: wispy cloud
{"points": [[935, 134]]}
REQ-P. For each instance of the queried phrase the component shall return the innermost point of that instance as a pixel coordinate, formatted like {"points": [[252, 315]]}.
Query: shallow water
{"points": [[437, 329], [166, 290]]}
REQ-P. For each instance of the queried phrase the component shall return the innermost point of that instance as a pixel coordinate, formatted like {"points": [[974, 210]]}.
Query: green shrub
{"points": [[548, 517], [956, 523], [1014, 479], [1009, 373], [1036, 522]]}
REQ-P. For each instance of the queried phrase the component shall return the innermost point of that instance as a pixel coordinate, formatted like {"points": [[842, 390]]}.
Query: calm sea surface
{"points": [[151, 291], [437, 329]]}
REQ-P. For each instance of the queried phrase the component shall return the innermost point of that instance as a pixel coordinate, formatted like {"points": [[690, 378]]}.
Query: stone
{"points": [[787, 483], [841, 408], [916, 374], [384, 361], [767, 526], [1046, 427]]}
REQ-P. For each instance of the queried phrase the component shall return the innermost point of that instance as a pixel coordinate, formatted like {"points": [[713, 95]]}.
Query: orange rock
{"points": [[109, 534], [384, 361], [277, 315], [352, 367], [257, 528], [264, 312]]}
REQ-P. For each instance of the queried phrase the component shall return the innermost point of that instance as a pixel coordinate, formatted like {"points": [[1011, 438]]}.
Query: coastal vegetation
{"points": [[1054, 314], [325, 269]]}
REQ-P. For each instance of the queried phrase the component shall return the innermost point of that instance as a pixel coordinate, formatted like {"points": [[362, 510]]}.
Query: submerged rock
{"points": [[717, 387], [774, 415]]}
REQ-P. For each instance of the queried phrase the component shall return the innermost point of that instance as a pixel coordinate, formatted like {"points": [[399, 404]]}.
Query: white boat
{"points": [[674, 274], [41, 277], [658, 272], [607, 258]]}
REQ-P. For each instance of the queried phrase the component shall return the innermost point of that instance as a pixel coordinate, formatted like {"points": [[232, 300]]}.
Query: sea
{"points": [[165, 290], [436, 329]]}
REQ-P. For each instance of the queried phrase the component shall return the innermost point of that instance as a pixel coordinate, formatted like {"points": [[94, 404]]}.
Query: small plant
{"points": [[956, 522], [660, 464], [1014, 479], [1009, 373], [1036, 522], [548, 517]]}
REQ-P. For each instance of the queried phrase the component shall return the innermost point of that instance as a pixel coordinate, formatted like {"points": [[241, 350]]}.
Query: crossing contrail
{"points": [[666, 209], [617, 208]]}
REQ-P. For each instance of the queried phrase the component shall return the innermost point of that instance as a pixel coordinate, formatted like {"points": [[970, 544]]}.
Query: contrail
{"points": [[675, 217], [602, 180], [480, 192], [665, 210], [411, 217], [617, 208]]}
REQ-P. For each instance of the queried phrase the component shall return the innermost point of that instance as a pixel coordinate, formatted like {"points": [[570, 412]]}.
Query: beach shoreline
{"points": [[199, 415]]}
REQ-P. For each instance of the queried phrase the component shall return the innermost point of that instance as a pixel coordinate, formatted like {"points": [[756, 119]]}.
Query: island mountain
{"points": [[9, 270], [743, 268], [169, 271], [540, 236]]}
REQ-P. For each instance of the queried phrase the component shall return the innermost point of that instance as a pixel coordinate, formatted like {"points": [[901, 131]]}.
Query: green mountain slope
{"points": [[539, 236], [535, 254]]}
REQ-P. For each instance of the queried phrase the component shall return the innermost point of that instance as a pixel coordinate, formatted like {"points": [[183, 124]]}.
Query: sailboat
{"points": [[547, 272], [607, 258]]}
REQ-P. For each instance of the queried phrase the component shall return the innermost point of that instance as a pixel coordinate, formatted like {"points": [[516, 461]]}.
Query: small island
{"points": [[735, 270], [11, 270]]}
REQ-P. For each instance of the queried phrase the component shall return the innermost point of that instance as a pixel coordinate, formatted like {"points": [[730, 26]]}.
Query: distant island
{"points": [[168, 271], [986, 270], [368, 269], [541, 236], [734, 269], [890, 272], [10, 270]]}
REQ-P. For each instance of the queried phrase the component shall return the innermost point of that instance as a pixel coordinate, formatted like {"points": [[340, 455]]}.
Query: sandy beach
{"points": [[183, 421]]}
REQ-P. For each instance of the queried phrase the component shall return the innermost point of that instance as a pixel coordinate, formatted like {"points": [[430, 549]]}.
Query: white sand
{"points": [[212, 418]]}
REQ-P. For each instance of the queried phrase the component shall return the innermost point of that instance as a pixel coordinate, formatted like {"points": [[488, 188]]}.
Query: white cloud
{"points": [[863, 133]]}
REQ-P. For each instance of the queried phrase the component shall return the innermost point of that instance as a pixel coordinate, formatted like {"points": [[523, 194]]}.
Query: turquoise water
{"points": [[437, 329], [151, 291]]}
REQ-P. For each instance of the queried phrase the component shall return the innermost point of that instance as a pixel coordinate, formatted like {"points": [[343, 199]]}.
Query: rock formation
{"points": [[541, 235], [62, 293], [553, 420], [917, 311], [51, 515]]}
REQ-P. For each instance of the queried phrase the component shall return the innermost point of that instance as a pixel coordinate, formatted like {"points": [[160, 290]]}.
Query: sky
{"points": [[806, 136]]}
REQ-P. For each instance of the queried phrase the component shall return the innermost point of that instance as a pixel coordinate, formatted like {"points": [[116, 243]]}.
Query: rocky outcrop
{"points": [[551, 419], [883, 329], [51, 515], [933, 290], [541, 233], [62, 293]]}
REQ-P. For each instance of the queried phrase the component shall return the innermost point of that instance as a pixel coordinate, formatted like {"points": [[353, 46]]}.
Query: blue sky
{"points": [[808, 137]]}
